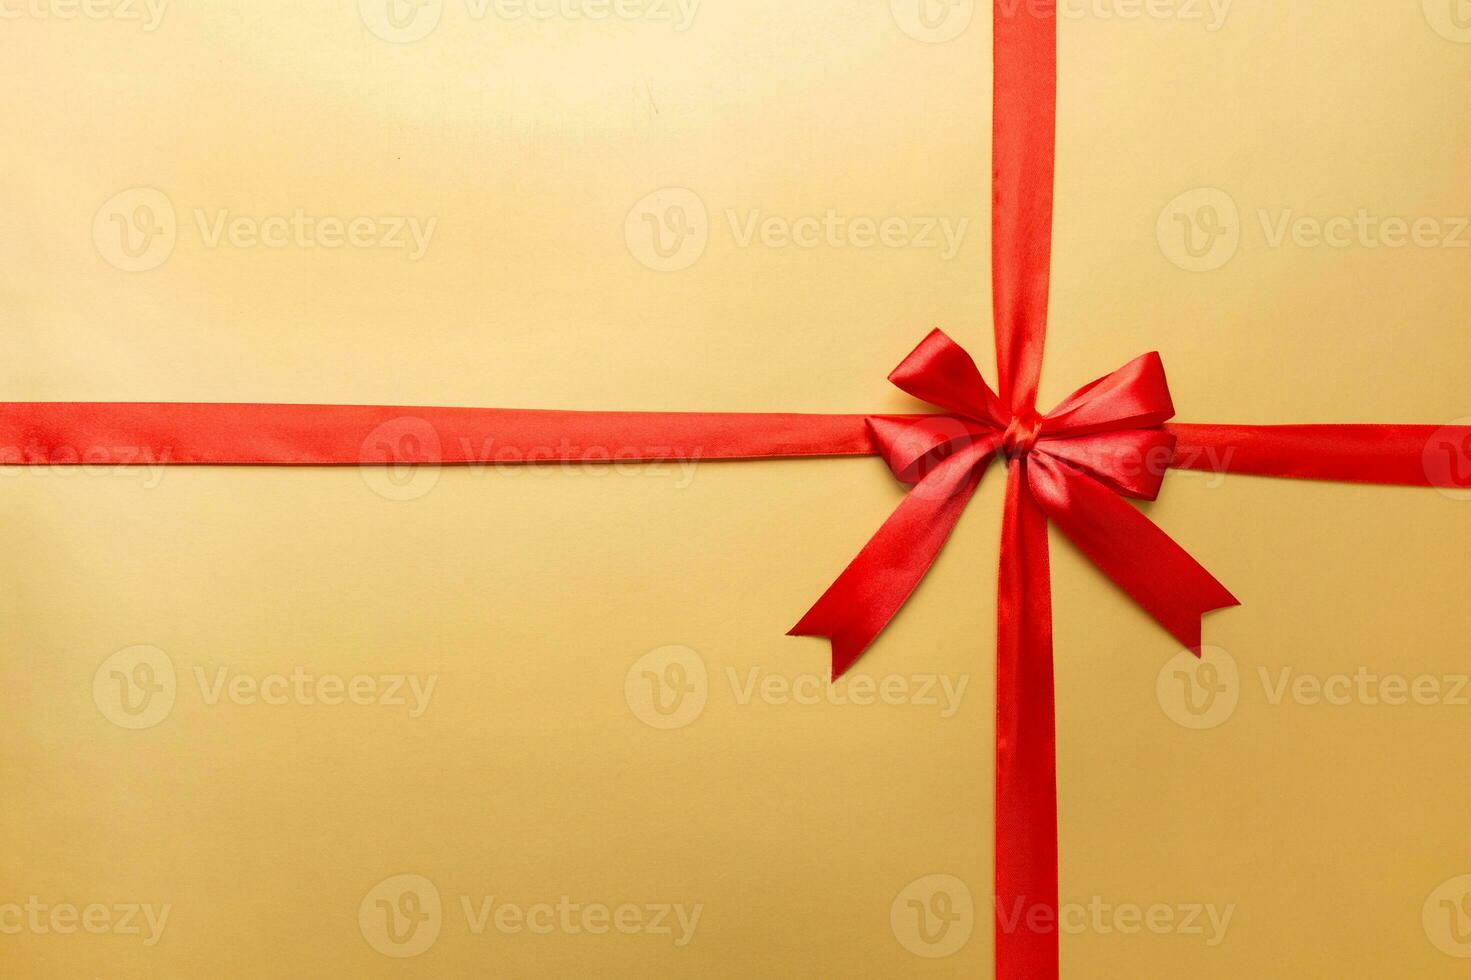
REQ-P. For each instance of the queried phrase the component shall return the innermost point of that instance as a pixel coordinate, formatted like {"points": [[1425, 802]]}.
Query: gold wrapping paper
{"points": [[546, 723]]}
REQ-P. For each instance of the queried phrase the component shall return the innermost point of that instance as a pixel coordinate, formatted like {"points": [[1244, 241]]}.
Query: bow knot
{"points": [[1021, 436], [1106, 441]]}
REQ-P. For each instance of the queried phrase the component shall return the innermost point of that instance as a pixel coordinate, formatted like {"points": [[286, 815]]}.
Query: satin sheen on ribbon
{"points": [[1103, 442], [1074, 466], [118, 433]]}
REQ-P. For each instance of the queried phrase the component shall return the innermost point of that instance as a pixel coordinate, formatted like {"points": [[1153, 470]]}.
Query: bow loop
{"points": [[1136, 396], [940, 372], [1132, 462]]}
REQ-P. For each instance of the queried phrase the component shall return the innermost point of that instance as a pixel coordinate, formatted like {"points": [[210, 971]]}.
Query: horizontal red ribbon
{"points": [[118, 433], [1407, 455], [217, 434]]}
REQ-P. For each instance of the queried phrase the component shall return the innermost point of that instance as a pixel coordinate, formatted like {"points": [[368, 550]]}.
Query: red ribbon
{"points": [[1104, 442], [1074, 466]]}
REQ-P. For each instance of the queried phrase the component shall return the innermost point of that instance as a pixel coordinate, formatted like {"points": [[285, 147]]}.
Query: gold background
{"points": [[530, 596]]}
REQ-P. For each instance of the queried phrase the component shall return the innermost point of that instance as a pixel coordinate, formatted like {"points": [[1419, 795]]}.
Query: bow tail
{"points": [[871, 590], [1130, 548], [1026, 736]]}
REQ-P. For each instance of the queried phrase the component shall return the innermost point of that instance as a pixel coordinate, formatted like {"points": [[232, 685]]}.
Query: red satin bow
{"points": [[1073, 466], [1103, 443]]}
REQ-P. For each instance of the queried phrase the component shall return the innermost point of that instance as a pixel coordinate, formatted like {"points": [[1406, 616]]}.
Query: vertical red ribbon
{"points": [[1023, 135]]}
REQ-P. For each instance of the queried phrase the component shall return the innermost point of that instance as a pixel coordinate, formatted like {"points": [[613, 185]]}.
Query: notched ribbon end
{"points": [[1193, 637], [846, 650]]}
